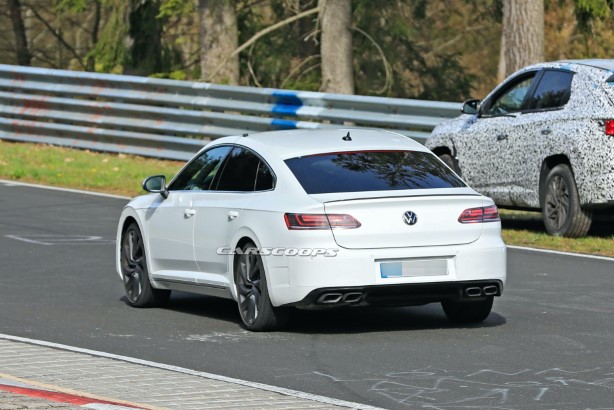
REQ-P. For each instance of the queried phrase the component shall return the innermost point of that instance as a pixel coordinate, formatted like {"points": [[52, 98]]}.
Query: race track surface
{"points": [[549, 342]]}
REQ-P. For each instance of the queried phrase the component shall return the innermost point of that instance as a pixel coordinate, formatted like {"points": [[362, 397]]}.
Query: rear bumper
{"points": [[399, 295], [295, 280]]}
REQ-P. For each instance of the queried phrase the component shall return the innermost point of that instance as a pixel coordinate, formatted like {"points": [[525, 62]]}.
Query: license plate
{"points": [[413, 268]]}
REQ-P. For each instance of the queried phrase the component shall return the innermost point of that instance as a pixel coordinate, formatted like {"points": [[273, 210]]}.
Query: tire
{"points": [[450, 162], [561, 210], [467, 311], [255, 308], [139, 291]]}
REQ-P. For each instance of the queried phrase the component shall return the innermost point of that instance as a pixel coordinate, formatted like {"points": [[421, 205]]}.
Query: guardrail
{"points": [[169, 119]]}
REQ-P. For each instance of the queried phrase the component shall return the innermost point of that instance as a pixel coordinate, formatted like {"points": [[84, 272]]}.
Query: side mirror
{"points": [[156, 184], [470, 107]]}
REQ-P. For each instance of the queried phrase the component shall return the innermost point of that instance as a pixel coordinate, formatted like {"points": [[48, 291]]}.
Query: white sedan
{"points": [[314, 219]]}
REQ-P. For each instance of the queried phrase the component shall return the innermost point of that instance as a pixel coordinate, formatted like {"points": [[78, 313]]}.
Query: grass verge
{"points": [[92, 171], [122, 175]]}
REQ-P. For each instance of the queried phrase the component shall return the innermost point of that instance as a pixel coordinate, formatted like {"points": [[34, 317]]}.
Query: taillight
{"points": [[320, 221], [609, 127], [479, 215]]}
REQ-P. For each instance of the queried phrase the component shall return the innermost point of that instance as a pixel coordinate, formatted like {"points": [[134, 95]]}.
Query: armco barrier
{"points": [[169, 119]]}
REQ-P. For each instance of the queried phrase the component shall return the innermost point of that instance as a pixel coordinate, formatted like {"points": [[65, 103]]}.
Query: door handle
{"points": [[501, 137], [546, 131], [232, 215], [190, 212]]}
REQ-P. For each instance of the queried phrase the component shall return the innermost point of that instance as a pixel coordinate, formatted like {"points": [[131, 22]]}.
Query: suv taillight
{"points": [[479, 215], [609, 127], [320, 221]]}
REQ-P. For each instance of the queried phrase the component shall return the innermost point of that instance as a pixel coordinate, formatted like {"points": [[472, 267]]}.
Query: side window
{"points": [[264, 178], [553, 90], [240, 170], [512, 99], [199, 173]]}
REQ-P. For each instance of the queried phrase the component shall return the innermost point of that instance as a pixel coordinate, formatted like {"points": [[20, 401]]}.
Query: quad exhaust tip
{"points": [[475, 291], [330, 298], [352, 297], [335, 297]]}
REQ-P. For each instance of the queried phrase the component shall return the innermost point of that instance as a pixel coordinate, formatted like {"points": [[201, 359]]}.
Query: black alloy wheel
{"points": [[257, 312], [139, 291]]}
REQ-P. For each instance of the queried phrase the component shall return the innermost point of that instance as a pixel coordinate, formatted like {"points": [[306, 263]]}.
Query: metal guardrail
{"points": [[169, 119]]}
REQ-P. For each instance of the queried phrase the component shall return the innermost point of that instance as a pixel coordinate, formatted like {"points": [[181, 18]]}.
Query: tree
{"points": [[219, 39], [21, 41], [523, 34], [336, 46], [144, 54]]}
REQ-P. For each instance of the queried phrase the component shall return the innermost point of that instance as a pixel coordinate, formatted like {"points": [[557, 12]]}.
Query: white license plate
{"points": [[409, 268]]}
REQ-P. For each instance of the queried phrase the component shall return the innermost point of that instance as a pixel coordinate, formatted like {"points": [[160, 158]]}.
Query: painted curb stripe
{"points": [[97, 401], [9, 183], [553, 252], [183, 370], [59, 397]]}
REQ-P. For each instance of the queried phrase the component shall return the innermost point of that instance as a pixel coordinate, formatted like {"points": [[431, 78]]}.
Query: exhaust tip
{"points": [[330, 298], [352, 297], [490, 290], [473, 292]]}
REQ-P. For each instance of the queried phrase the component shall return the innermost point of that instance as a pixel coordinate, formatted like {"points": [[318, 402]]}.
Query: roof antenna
{"points": [[245, 135], [347, 137]]}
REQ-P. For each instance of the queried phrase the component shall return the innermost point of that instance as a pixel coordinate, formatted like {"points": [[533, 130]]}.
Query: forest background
{"points": [[446, 50]]}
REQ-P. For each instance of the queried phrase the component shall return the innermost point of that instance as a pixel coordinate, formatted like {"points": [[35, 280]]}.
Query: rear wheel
{"points": [[561, 210], [139, 291], [467, 311], [255, 308]]}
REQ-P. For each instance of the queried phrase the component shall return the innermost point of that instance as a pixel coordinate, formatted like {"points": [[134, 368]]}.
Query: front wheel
{"points": [[139, 291], [467, 311], [561, 210], [255, 308]]}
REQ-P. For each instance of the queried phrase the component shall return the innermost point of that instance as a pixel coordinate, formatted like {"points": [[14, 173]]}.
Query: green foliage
{"points": [[110, 51], [74, 6], [589, 10], [403, 31], [173, 8]]}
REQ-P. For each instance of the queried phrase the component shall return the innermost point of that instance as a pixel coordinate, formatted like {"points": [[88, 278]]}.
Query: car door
{"points": [[171, 220], [220, 210], [539, 129], [483, 147]]}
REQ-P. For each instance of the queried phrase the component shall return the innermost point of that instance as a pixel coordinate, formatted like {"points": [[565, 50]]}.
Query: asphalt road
{"points": [[548, 344]]}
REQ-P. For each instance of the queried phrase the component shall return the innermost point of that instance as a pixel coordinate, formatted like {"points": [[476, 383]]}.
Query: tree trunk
{"points": [[336, 46], [523, 29], [21, 41], [145, 33], [91, 60], [218, 39], [501, 69]]}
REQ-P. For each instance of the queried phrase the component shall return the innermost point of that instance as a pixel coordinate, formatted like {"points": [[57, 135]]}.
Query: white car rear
{"points": [[314, 219]]}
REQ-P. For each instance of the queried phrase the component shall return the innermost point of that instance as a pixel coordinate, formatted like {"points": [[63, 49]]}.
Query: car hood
{"points": [[459, 123]]}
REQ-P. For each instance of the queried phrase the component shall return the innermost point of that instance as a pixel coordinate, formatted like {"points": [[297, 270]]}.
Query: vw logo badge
{"points": [[410, 218]]}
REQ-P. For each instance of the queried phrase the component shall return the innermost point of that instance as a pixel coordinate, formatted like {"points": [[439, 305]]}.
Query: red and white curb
{"points": [[23, 389]]}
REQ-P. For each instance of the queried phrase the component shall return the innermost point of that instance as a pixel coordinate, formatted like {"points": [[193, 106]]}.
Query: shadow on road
{"points": [[332, 321]]}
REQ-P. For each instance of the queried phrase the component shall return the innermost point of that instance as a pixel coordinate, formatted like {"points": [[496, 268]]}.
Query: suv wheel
{"points": [[561, 210]]}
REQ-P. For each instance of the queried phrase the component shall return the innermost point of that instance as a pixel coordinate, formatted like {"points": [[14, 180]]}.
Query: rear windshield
{"points": [[371, 171]]}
